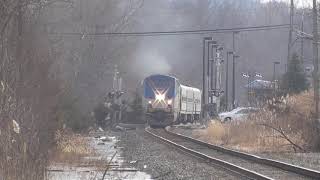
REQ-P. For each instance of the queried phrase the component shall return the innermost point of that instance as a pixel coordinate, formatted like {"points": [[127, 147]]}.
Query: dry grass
{"points": [[71, 148], [76, 152], [215, 133], [292, 116]]}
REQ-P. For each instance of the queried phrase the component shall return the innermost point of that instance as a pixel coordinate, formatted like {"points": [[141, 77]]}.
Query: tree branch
{"points": [[283, 135]]}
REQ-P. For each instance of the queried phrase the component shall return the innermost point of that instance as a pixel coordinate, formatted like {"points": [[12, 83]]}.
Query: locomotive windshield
{"points": [[159, 84]]}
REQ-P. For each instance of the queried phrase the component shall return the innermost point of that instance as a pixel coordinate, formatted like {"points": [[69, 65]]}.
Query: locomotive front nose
{"points": [[159, 92]]}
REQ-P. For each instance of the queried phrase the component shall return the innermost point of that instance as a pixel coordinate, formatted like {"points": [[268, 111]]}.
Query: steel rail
{"points": [[229, 166], [270, 162]]}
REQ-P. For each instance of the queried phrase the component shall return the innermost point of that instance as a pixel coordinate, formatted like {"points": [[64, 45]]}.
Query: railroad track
{"points": [[247, 165]]}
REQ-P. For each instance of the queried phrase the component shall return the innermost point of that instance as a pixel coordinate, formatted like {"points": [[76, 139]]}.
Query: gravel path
{"points": [[164, 162]]}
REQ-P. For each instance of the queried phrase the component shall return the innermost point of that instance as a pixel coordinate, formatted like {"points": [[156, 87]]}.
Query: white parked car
{"points": [[237, 114]]}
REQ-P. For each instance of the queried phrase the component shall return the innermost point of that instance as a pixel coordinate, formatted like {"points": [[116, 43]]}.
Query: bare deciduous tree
{"points": [[28, 92]]}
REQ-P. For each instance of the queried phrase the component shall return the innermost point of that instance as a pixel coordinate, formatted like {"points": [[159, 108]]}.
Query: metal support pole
{"points": [[251, 79], [217, 71], [249, 88], [208, 62], [203, 74], [218, 76], [212, 70], [233, 72], [204, 79], [208, 71], [302, 39], [227, 82], [234, 82], [209, 67], [214, 67], [120, 99], [274, 78]]}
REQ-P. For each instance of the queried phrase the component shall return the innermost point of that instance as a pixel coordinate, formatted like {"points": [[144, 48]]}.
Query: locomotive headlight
{"points": [[160, 97], [169, 102]]}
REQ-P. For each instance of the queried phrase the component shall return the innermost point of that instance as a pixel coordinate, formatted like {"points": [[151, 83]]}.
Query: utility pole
{"points": [[234, 81], [302, 39], [204, 79], [213, 68], [233, 71], [315, 60], [249, 89], [209, 64], [216, 91], [227, 80], [290, 30]]}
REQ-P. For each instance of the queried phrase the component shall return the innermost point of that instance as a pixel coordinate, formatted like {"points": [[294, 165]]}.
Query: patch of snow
{"points": [[92, 174], [189, 126], [16, 127], [103, 152]]}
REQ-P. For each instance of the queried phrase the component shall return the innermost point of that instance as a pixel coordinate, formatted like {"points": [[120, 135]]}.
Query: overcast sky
{"points": [[298, 3]]}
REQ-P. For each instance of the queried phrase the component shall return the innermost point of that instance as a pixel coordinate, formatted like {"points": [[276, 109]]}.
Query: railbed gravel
{"points": [[164, 162], [307, 160]]}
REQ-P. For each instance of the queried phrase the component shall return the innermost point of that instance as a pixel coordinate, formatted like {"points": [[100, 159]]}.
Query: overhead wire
{"points": [[182, 32]]}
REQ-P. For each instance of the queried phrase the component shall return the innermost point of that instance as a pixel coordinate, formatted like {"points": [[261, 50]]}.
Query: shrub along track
{"points": [[250, 166]]}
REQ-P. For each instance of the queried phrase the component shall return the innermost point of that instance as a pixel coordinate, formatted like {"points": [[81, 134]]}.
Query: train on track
{"points": [[166, 101]]}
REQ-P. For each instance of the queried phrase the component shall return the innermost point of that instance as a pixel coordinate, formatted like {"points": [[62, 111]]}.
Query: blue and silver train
{"points": [[168, 102]]}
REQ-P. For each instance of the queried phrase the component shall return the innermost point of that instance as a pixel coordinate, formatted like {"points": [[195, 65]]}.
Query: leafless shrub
{"points": [[287, 125]]}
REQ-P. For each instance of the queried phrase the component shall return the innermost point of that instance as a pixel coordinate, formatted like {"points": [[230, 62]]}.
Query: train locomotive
{"points": [[167, 102]]}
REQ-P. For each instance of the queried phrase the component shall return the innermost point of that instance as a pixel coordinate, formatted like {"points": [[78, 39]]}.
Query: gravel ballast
{"points": [[164, 162], [307, 160]]}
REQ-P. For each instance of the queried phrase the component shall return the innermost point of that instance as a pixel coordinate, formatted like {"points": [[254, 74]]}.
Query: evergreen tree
{"points": [[295, 80]]}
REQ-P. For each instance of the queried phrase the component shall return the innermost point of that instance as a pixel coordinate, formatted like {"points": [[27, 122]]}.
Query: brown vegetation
{"points": [[71, 148], [282, 125]]}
